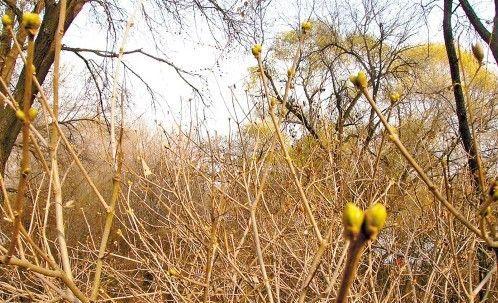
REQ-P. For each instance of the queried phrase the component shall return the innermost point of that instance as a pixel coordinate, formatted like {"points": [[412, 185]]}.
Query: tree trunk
{"points": [[461, 109], [10, 126], [463, 127]]}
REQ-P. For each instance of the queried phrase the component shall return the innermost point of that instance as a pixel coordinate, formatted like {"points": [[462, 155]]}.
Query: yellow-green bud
{"points": [[359, 80], [394, 97], [31, 21], [393, 137], [173, 272], [290, 72], [392, 130], [352, 218], [273, 101], [26, 171], [20, 115], [478, 52], [306, 26], [32, 113], [6, 20], [375, 219], [493, 191], [256, 50]]}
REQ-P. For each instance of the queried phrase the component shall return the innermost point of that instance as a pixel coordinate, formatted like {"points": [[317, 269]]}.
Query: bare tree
{"points": [[157, 14]]}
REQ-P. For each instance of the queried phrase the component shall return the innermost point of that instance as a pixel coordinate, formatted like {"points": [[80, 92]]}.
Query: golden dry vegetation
{"points": [[357, 175]]}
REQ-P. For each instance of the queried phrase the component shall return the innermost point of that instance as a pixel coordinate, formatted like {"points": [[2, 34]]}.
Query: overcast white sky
{"points": [[194, 50]]}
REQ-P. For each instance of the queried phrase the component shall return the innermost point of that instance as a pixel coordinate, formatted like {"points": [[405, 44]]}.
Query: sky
{"points": [[224, 72], [192, 50]]}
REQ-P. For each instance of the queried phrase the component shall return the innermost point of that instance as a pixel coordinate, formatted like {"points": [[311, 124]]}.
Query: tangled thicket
{"points": [[256, 215]]}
